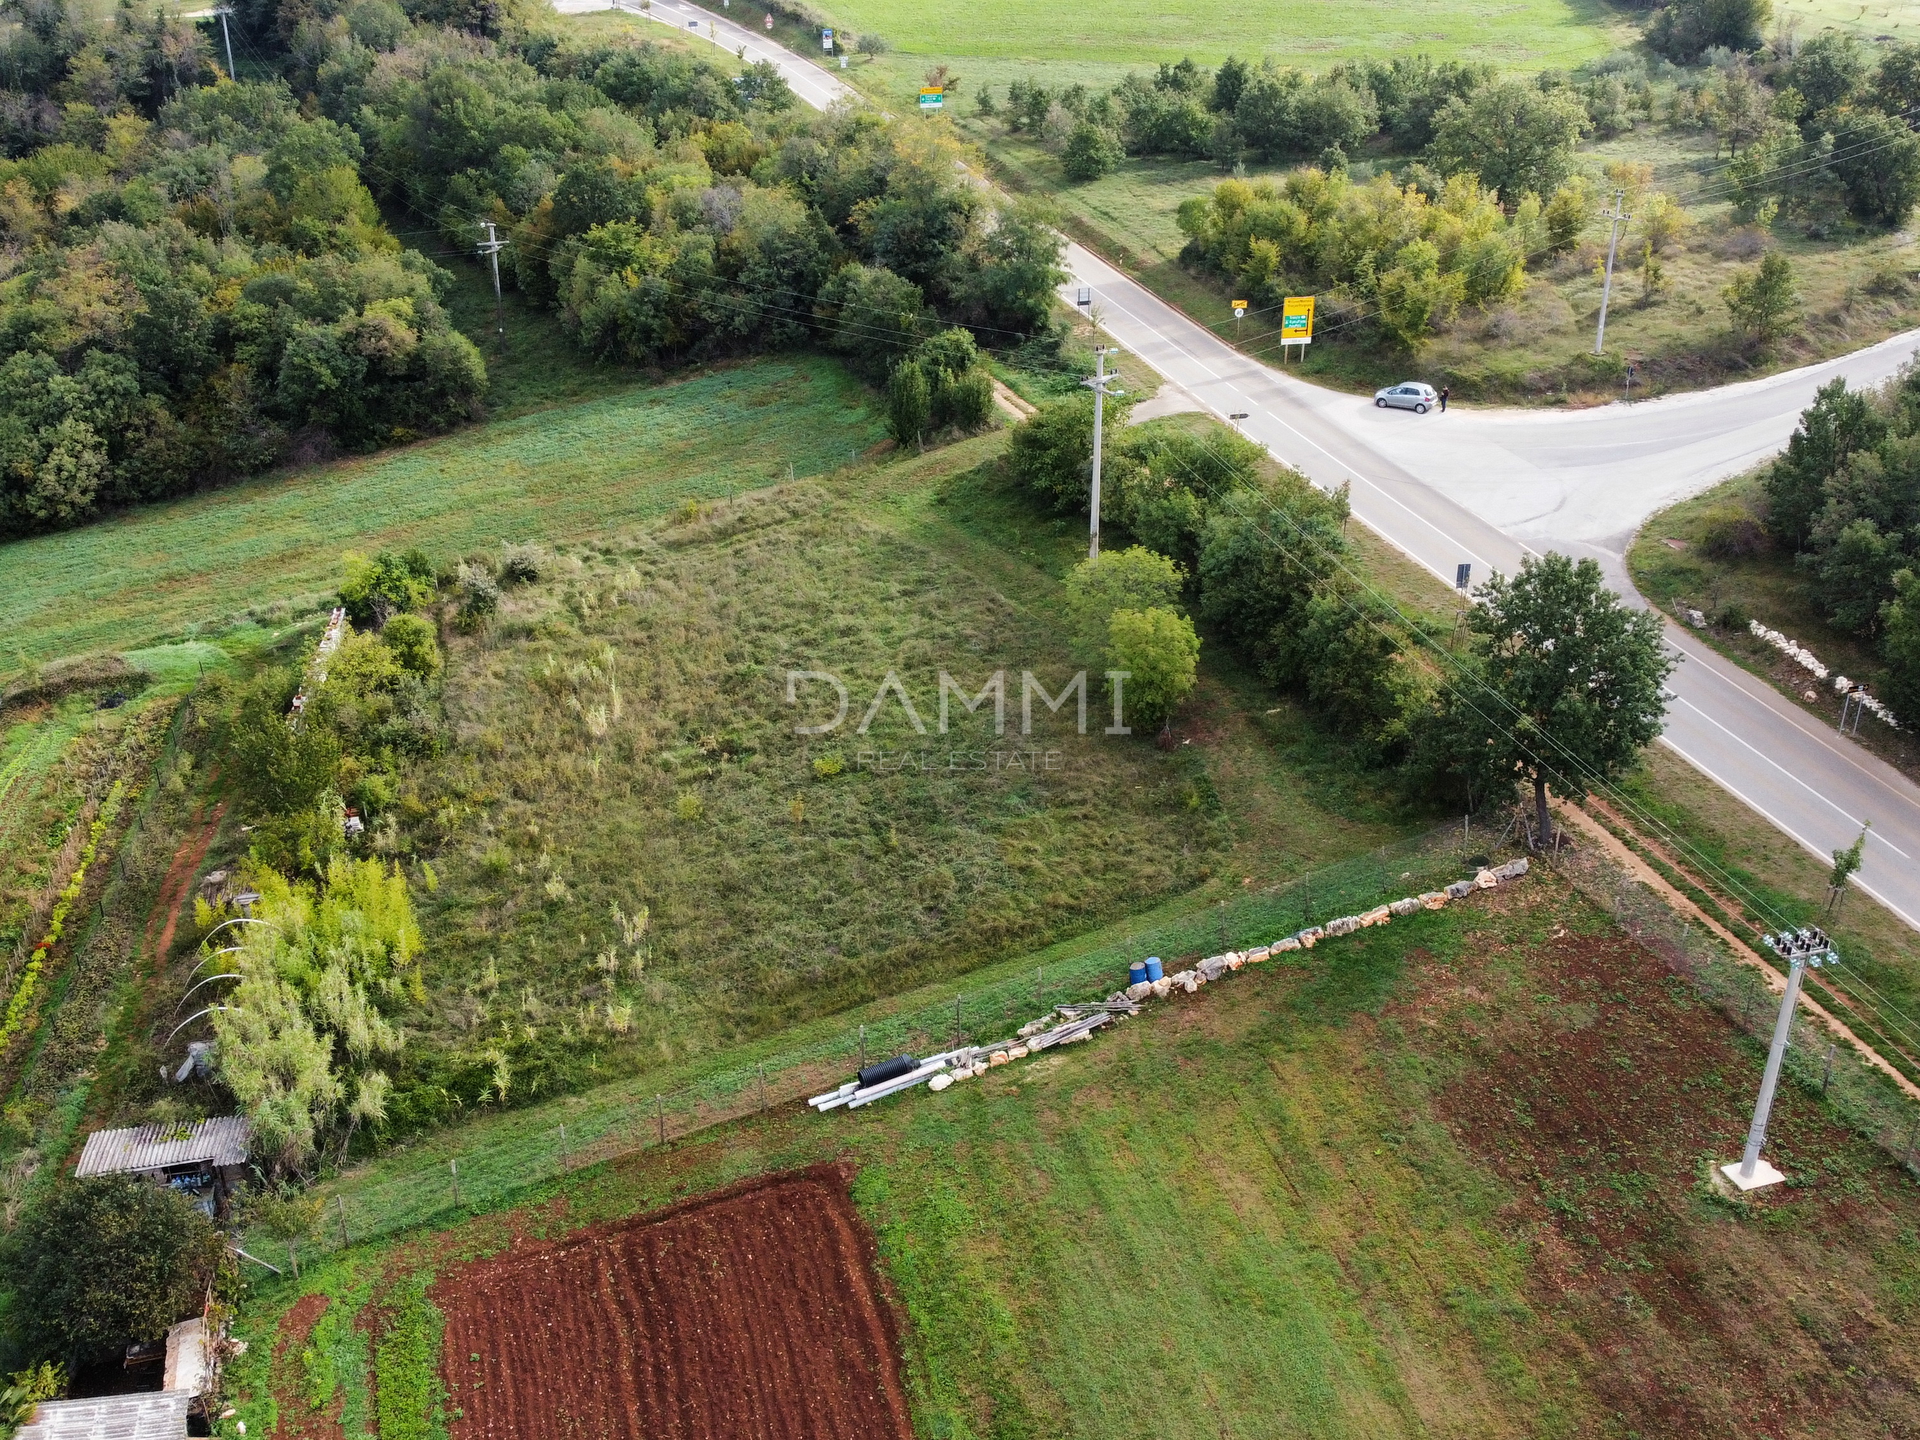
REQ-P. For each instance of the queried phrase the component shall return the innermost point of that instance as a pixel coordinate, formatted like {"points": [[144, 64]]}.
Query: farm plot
{"points": [[750, 1313]]}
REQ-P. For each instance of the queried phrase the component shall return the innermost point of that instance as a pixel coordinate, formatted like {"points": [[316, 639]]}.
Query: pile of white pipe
{"points": [[1067, 1023]]}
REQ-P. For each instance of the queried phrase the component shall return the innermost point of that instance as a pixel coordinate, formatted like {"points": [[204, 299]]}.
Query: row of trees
{"points": [[1562, 687], [1516, 135], [1846, 498]]}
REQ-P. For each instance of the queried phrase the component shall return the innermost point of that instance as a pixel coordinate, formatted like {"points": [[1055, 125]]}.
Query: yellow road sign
{"points": [[1296, 320]]}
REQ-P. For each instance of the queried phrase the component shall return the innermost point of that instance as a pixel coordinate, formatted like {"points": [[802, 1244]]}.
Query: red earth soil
{"points": [[179, 883], [753, 1312]]}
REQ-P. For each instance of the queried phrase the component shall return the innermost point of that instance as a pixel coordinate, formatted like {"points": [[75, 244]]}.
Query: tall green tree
{"points": [[1763, 302], [1515, 136], [1160, 653], [1838, 423], [109, 1260], [1566, 686]]}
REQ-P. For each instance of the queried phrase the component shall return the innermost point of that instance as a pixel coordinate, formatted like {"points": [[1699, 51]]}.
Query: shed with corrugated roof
{"points": [[203, 1159]]}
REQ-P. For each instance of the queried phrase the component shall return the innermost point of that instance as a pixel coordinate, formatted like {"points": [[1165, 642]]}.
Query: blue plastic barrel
{"points": [[1136, 972], [1154, 972]]}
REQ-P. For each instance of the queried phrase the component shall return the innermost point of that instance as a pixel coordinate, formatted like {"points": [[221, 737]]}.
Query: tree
{"points": [[1839, 422], [1567, 214], [1828, 70], [1091, 151], [1514, 136], [1845, 863], [413, 643], [1051, 451], [1684, 30], [879, 316], [386, 585], [1900, 645], [1132, 579], [110, 1260], [1896, 84], [1019, 270], [1763, 301], [909, 403], [1877, 160], [1160, 651], [278, 768], [1566, 688]]}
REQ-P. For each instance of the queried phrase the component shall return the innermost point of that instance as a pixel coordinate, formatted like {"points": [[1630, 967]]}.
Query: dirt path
{"points": [[178, 885]]}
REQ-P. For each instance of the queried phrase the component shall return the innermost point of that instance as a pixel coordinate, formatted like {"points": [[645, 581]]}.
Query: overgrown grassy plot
{"points": [[626, 742], [551, 475], [1442, 1178]]}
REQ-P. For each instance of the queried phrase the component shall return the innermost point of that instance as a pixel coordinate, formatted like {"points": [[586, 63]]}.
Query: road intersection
{"points": [[1488, 487]]}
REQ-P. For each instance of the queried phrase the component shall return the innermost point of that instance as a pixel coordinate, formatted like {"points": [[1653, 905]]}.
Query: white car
{"points": [[1410, 396]]}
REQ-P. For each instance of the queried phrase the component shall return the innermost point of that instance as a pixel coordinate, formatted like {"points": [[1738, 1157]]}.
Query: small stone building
{"points": [[203, 1159]]}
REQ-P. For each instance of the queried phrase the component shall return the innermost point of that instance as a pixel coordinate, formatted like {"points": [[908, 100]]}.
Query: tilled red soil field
{"points": [[754, 1312]]}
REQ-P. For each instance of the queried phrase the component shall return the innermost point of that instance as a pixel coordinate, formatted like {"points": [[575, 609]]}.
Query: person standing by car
{"points": [[1445, 391]]}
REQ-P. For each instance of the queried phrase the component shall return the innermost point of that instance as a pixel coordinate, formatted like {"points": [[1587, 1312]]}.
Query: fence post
{"points": [[1038, 972], [293, 1254], [863, 1048], [660, 1113], [761, 1066], [957, 1032], [563, 1149], [453, 1168], [1826, 1073], [340, 1203]]}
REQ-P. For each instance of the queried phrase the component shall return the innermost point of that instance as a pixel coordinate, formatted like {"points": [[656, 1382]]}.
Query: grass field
{"points": [[1424, 1183], [622, 745], [168, 569]]}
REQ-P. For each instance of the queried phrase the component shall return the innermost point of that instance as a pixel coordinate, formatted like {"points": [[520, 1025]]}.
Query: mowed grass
{"points": [[1134, 32], [1444, 1178], [166, 569]]}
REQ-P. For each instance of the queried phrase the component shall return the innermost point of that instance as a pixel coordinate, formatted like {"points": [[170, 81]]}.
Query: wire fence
{"points": [[491, 1164], [1862, 1097]]}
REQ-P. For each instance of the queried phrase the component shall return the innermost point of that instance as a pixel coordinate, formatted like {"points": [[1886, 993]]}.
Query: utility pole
{"points": [[1616, 215], [227, 35], [1097, 383], [1797, 947], [491, 248]]}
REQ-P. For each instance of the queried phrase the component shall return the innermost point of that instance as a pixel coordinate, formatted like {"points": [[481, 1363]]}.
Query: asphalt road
{"points": [[1489, 487]]}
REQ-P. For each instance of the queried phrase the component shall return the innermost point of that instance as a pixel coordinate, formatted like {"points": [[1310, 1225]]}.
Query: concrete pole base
{"points": [[1763, 1176]]}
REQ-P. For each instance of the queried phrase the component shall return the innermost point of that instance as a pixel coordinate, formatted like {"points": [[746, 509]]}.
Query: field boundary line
{"points": [[1742, 952]]}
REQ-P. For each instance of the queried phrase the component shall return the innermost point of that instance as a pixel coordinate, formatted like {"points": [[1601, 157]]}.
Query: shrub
{"points": [[1731, 534], [522, 564], [1131, 579], [828, 766], [1091, 151], [909, 403], [1734, 617], [687, 807], [479, 597], [1051, 452], [413, 643]]}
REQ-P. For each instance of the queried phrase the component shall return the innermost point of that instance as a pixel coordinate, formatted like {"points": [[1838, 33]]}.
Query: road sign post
{"points": [[932, 97], [1296, 322]]}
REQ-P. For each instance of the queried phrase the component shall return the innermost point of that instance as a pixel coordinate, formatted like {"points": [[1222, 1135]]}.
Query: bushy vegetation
{"points": [[107, 1261], [207, 284], [1845, 497], [202, 281], [1561, 683]]}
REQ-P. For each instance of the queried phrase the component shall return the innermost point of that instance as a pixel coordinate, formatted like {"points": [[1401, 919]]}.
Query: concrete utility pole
{"points": [[491, 248], [1750, 1172], [227, 35], [1097, 383], [1616, 215]]}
